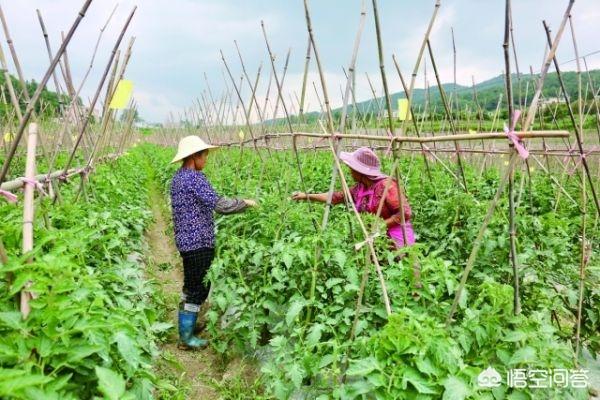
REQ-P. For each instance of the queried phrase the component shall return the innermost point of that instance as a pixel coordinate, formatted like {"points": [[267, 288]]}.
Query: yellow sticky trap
{"points": [[403, 113], [531, 169], [241, 134], [310, 140], [122, 95], [501, 155], [506, 163], [9, 137], [472, 131]]}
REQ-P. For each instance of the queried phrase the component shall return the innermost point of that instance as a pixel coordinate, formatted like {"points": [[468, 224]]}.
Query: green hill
{"points": [[49, 104], [489, 91]]}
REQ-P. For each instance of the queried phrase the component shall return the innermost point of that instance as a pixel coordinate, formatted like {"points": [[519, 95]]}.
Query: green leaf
{"points": [[128, 349], [331, 282], [326, 360], [363, 367], [360, 387], [110, 383], [339, 257], [288, 259], [159, 327], [12, 319], [525, 355], [515, 336], [278, 341], [296, 374], [413, 376], [80, 352], [455, 389], [426, 366], [11, 383], [295, 309], [313, 337], [464, 296]]}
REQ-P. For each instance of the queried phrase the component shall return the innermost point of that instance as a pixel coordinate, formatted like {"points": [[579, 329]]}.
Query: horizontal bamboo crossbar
{"points": [[60, 174], [540, 152], [408, 139], [18, 183]]}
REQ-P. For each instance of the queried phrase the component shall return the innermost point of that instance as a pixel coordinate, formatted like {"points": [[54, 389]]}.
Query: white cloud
{"points": [[178, 40]]}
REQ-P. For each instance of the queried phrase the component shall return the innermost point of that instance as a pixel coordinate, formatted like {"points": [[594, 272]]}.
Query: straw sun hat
{"points": [[190, 145]]}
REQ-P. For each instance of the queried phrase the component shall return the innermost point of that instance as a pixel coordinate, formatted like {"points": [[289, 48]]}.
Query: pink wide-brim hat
{"points": [[365, 161]]}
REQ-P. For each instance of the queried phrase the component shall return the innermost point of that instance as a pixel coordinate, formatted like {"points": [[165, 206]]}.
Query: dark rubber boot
{"points": [[187, 323]]}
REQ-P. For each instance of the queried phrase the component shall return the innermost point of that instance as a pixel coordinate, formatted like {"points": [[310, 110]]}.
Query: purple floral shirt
{"points": [[193, 201]]}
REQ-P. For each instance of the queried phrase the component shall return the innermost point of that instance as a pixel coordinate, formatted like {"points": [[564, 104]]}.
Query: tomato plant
{"points": [[261, 302]]}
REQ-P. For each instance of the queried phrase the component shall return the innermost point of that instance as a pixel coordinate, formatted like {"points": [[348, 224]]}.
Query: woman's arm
{"points": [[232, 206], [394, 199], [337, 197]]}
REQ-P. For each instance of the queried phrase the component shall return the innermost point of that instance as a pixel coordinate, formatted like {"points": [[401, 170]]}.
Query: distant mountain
{"points": [[488, 92]]}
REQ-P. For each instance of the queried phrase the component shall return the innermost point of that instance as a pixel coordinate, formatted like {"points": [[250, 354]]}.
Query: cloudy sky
{"points": [[178, 41]]}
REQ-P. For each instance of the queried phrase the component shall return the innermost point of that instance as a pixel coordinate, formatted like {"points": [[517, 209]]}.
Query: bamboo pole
{"points": [[582, 267], [342, 128], [479, 239], [374, 99], [574, 122], [28, 212], [319, 68], [100, 85], [454, 93], [449, 116], [511, 177], [241, 101], [283, 75], [525, 126], [420, 57], [287, 116], [413, 117], [596, 95], [305, 77], [49, 50], [514, 48], [253, 99], [38, 92], [427, 139], [9, 85], [368, 239], [388, 101], [15, 58]]}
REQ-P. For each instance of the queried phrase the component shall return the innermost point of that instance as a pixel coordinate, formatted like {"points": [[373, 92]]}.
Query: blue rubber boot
{"points": [[187, 340]]}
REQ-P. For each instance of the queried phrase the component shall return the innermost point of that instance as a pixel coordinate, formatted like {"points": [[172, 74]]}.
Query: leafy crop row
{"points": [[93, 327], [268, 258]]}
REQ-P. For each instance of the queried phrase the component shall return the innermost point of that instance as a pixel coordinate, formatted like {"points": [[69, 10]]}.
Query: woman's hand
{"points": [[251, 203], [299, 196]]}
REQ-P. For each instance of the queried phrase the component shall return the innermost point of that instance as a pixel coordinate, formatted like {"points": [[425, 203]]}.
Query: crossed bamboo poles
{"points": [[330, 136], [96, 148], [332, 139]]}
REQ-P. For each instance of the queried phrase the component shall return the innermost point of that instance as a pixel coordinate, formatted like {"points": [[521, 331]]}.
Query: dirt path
{"points": [[200, 374], [194, 367]]}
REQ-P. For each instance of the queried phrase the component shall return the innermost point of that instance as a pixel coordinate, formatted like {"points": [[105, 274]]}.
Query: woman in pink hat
{"points": [[367, 194]]}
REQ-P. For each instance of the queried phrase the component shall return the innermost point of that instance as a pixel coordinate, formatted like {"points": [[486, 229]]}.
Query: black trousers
{"points": [[195, 266]]}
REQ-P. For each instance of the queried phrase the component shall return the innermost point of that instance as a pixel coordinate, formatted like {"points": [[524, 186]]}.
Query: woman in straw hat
{"points": [[193, 201], [368, 192]]}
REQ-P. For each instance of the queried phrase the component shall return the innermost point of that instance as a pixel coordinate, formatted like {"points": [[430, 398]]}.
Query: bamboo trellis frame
{"points": [[297, 137]]}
